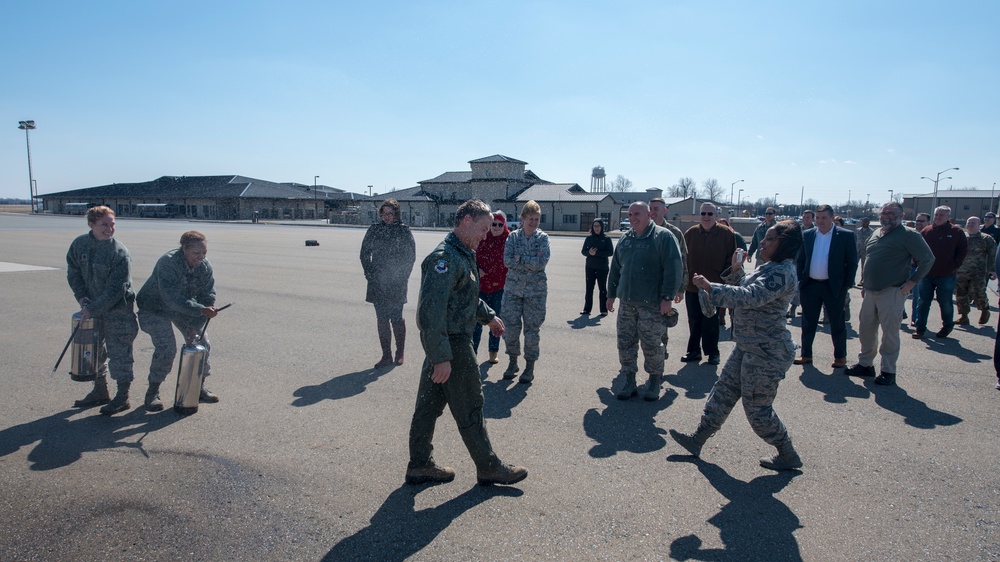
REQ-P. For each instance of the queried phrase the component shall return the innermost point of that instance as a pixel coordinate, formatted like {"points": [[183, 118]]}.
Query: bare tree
{"points": [[685, 187], [711, 189], [620, 183]]}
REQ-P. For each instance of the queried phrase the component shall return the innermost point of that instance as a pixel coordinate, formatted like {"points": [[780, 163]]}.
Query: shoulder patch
{"points": [[776, 281], [441, 266]]}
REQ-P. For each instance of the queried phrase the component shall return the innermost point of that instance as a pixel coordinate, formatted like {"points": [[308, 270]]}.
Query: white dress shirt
{"points": [[819, 266]]}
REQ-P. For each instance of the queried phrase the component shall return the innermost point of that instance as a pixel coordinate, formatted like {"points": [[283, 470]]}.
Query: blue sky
{"points": [[831, 97]]}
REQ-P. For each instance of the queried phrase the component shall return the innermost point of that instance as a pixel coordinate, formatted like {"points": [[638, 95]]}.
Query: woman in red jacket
{"points": [[492, 276]]}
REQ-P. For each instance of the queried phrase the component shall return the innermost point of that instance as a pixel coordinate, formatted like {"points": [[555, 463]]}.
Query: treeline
{"points": [[13, 201]]}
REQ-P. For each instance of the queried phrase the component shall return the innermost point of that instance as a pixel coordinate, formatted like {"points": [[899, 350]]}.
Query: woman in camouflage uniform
{"points": [[179, 292], [525, 254], [764, 349], [99, 271]]}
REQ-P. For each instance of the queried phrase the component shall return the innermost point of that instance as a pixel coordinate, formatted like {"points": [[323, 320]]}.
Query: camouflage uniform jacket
{"points": [[646, 268], [177, 291], [526, 276], [861, 236], [759, 302], [980, 259], [449, 303], [682, 245], [100, 271]]}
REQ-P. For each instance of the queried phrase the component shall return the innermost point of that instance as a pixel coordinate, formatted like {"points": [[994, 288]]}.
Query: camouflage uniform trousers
{"points": [[527, 313], [463, 394], [970, 287], [751, 373], [645, 325], [118, 329], [161, 331]]}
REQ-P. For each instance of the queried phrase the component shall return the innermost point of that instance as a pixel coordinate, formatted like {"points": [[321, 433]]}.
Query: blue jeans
{"points": [[944, 285], [493, 300]]}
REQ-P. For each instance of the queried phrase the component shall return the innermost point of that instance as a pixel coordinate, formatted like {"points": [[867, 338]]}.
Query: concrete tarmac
{"points": [[303, 458]]}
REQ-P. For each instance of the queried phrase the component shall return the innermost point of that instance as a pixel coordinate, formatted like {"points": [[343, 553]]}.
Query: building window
{"points": [[542, 219], [569, 219], [965, 207]]}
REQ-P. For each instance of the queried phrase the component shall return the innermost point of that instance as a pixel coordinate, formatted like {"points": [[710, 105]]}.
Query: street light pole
{"points": [[936, 180], [890, 195], [369, 191], [775, 202], [739, 201], [731, 191], [314, 186], [28, 126], [994, 188]]}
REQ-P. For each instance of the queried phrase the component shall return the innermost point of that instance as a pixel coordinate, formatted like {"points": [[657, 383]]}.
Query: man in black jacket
{"points": [[827, 265]]}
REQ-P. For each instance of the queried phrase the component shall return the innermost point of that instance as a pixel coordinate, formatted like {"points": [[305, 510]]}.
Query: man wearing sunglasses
{"points": [[758, 235], [710, 252]]}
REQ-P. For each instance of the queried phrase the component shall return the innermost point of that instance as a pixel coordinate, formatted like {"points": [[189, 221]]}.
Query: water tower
{"points": [[597, 180]]}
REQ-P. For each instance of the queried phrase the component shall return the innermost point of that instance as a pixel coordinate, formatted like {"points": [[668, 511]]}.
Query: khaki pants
{"points": [[881, 309]]}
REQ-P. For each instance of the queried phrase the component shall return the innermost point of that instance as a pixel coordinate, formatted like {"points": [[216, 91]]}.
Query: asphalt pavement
{"points": [[303, 458]]}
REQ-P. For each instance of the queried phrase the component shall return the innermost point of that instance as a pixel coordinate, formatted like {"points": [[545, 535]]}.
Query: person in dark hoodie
{"points": [[492, 277], [388, 253], [598, 248]]}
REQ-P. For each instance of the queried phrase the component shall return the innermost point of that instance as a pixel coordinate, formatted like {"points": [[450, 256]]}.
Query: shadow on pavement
{"points": [[953, 347], [62, 441], [915, 412], [626, 425], [836, 387], [343, 386], [501, 396], [754, 525], [584, 321], [397, 531], [697, 381]]}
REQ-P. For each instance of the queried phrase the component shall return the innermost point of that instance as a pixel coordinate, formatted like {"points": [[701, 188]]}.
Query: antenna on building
{"points": [[597, 180]]}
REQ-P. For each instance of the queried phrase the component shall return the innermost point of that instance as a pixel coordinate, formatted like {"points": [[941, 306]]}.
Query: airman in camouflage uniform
{"points": [[975, 271], [764, 349], [657, 213], [646, 273], [525, 255], [99, 272], [180, 292], [447, 311]]}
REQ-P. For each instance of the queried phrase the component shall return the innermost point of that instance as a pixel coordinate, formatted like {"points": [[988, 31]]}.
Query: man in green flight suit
{"points": [[447, 311]]}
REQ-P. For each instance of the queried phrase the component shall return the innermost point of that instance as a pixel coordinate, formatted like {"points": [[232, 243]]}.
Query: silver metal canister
{"points": [[86, 347], [190, 374]]}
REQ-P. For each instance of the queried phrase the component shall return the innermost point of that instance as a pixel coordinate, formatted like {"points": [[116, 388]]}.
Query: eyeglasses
{"points": [[498, 224], [704, 214]]}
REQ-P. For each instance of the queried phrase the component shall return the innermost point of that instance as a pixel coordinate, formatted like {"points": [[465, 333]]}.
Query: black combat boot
{"points": [[652, 393], [628, 390]]}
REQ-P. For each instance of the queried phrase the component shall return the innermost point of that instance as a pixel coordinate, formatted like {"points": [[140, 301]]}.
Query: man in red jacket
{"points": [[949, 245]]}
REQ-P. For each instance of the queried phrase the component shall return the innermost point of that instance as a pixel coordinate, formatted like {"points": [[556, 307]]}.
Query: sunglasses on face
{"points": [[498, 224], [705, 214]]}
